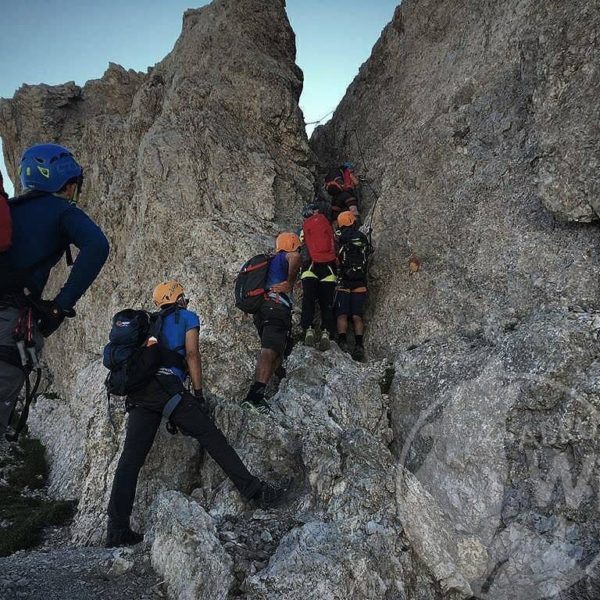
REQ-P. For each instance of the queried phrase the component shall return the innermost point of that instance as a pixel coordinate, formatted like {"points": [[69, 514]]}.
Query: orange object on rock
{"points": [[414, 264]]}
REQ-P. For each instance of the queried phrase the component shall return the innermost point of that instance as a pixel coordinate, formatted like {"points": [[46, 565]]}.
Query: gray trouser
{"points": [[11, 382], [11, 378]]}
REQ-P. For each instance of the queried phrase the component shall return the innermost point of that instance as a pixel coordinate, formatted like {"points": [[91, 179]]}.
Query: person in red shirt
{"points": [[342, 186]]}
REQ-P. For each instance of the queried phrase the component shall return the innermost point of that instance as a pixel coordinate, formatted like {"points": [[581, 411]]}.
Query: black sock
{"points": [[256, 393], [359, 340], [342, 337]]}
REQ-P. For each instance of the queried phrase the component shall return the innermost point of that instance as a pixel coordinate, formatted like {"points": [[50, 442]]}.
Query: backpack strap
{"points": [[171, 405], [170, 355], [159, 317]]}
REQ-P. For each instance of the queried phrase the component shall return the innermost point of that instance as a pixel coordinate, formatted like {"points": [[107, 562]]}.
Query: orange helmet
{"points": [[167, 292], [288, 242], [346, 219]]}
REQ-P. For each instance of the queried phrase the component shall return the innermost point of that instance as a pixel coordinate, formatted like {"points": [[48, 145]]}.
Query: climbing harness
{"points": [[310, 274], [23, 335]]}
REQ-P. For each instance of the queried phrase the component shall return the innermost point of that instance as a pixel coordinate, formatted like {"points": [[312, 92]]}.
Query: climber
{"points": [[354, 249], [318, 275], [165, 395], [274, 319], [342, 185], [45, 221]]}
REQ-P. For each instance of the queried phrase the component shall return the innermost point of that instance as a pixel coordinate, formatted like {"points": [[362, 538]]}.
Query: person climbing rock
{"points": [[274, 319], [165, 395], [342, 185], [44, 221], [318, 276], [354, 249]]}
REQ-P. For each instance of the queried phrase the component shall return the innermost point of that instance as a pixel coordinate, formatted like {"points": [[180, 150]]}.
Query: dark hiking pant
{"points": [[145, 415], [12, 376], [318, 285], [11, 381]]}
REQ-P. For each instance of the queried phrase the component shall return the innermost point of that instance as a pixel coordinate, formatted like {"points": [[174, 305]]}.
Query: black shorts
{"points": [[274, 325], [349, 303]]}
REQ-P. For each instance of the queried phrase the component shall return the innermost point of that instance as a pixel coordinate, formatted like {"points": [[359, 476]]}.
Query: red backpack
{"points": [[339, 179], [319, 239], [5, 221]]}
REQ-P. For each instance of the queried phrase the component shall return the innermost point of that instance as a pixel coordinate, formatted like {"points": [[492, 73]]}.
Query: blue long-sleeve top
{"points": [[43, 228]]}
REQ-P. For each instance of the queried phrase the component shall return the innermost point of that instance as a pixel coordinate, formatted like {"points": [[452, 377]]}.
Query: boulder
{"points": [[186, 550]]}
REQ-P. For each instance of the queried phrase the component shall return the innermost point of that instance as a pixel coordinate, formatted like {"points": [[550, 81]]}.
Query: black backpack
{"points": [[353, 255], [250, 283], [131, 365]]}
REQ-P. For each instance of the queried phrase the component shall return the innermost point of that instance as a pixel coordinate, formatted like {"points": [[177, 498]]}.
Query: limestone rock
{"points": [[472, 471], [122, 562], [476, 125], [190, 169], [186, 550], [501, 438], [338, 535]]}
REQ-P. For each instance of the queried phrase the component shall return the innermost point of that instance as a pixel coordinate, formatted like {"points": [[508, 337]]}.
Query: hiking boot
{"points": [[324, 342], [310, 338], [270, 496], [358, 353], [263, 408], [343, 344], [122, 537], [260, 408]]}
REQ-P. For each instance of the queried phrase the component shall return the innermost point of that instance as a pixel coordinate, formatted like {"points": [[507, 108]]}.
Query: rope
{"points": [[321, 119], [369, 186]]}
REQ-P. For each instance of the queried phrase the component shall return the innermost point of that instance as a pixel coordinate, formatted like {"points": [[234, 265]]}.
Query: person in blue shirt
{"points": [[166, 396], [45, 222], [274, 319]]}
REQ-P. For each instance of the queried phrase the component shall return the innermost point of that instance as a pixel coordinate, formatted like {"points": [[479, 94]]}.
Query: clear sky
{"points": [[55, 41]]}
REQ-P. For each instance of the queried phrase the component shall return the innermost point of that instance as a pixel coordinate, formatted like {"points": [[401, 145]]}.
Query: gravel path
{"points": [[80, 574]]}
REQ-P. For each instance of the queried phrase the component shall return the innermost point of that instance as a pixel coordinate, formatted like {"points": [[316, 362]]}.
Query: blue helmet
{"points": [[348, 165], [47, 168]]}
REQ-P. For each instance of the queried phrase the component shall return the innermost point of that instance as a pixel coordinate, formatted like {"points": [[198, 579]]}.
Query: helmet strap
{"points": [[77, 193]]}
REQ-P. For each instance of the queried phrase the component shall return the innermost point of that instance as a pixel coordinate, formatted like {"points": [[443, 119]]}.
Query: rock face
{"points": [[468, 115], [187, 551], [461, 462], [338, 535], [501, 434], [190, 169], [478, 128]]}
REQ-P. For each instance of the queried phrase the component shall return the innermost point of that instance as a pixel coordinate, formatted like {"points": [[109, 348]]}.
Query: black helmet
{"points": [[309, 210]]}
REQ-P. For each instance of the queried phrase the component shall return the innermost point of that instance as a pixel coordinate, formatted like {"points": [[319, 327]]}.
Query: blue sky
{"points": [[54, 41]]}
